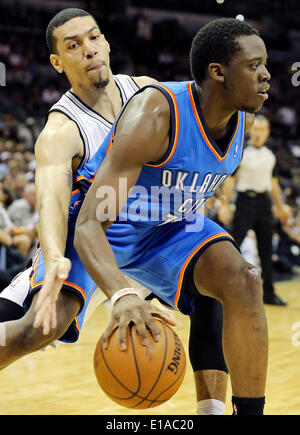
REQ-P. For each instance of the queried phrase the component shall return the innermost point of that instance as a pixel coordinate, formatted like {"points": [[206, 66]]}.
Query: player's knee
{"points": [[244, 286], [252, 288]]}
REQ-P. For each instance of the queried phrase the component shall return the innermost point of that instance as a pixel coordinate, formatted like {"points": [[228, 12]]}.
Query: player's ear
{"points": [[216, 71], [55, 62]]}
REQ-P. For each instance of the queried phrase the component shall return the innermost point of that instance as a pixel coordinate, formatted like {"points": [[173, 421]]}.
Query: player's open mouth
{"points": [[263, 95], [264, 92]]}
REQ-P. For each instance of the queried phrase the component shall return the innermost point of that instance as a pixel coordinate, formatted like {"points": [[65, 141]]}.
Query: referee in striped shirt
{"points": [[256, 185]]}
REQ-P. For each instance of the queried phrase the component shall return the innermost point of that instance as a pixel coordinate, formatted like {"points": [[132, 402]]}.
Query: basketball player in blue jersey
{"points": [[186, 137], [76, 127]]}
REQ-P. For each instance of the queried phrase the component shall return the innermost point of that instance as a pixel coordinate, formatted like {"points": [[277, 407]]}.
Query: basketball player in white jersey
{"points": [[80, 121], [76, 126]]}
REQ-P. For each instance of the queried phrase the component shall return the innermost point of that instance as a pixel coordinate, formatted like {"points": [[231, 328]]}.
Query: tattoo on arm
{"points": [[69, 175]]}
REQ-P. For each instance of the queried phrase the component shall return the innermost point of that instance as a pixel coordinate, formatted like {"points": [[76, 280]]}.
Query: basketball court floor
{"points": [[62, 381]]}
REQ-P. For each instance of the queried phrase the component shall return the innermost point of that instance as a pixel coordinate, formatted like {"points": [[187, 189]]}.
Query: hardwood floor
{"points": [[62, 381]]}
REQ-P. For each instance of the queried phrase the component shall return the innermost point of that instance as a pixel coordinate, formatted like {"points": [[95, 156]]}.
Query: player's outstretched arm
{"points": [[56, 146], [141, 136]]}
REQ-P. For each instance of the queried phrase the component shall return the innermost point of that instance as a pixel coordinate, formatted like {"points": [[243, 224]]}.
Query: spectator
{"points": [[24, 216], [288, 247], [21, 181], [28, 133], [12, 260]]}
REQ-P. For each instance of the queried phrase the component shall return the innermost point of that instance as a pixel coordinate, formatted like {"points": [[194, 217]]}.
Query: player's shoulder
{"points": [[58, 119], [162, 91], [150, 101], [58, 130], [176, 88], [59, 125], [142, 81], [147, 97]]}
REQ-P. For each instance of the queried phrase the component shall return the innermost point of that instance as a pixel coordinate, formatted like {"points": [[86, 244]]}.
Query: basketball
{"points": [[141, 377]]}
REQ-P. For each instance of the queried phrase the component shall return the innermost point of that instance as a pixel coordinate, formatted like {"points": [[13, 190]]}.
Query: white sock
{"points": [[210, 407]]}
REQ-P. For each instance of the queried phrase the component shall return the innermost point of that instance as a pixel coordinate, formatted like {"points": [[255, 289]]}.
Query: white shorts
{"points": [[18, 289]]}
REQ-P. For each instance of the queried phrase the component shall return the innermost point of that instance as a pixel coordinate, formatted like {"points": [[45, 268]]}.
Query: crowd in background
{"points": [[139, 46]]}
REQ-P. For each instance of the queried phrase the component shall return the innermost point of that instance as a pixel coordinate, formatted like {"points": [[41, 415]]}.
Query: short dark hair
{"points": [[216, 42], [58, 20]]}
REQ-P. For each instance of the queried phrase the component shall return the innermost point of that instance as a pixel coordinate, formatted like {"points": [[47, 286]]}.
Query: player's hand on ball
{"points": [[132, 309], [56, 273]]}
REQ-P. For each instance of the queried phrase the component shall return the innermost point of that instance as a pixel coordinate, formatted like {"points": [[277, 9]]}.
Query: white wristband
{"points": [[121, 293]]}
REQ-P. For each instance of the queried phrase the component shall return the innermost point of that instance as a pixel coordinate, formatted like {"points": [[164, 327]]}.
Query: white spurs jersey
{"points": [[93, 128]]}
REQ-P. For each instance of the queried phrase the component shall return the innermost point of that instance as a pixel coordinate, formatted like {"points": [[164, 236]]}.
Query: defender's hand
{"points": [[56, 273], [131, 308]]}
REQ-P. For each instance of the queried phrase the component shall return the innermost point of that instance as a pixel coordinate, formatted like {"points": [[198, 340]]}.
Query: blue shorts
{"points": [[78, 282], [158, 257]]}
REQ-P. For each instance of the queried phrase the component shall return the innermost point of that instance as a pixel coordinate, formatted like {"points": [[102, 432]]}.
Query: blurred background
{"points": [[147, 37]]}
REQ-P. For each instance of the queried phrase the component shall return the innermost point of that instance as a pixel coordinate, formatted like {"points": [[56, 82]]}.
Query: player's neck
{"points": [[106, 101], [216, 114]]}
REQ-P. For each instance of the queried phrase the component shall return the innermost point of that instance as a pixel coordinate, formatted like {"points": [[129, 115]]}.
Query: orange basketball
{"points": [[141, 377]]}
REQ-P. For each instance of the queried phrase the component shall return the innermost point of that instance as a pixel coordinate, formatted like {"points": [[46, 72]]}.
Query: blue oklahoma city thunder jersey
{"points": [[192, 169]]}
